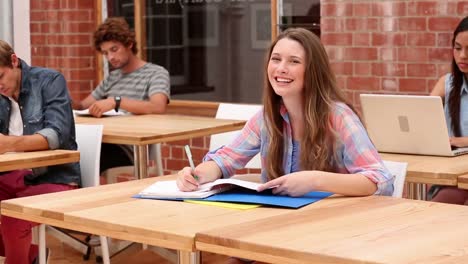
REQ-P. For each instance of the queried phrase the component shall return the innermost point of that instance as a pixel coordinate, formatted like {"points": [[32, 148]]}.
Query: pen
{"points": [[189, 156]]}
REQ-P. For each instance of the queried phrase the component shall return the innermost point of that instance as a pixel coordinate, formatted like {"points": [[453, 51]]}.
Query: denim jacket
{"points": [[46, 110]]}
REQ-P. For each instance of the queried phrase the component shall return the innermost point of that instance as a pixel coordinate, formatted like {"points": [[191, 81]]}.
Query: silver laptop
{"points": [[408, 124]]}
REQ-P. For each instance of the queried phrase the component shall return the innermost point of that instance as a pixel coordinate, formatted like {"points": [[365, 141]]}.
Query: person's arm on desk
{"points": [[22, 143]]}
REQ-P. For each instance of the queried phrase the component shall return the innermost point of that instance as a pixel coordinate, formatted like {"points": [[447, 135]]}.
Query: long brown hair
{"points": [[457, 82], [318, 143]]}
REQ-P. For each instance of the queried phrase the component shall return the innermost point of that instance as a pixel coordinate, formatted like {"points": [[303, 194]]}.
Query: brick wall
{"points": [[61, 39], [394, 46]]}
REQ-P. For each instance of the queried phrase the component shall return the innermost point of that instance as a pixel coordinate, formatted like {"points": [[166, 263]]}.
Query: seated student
{"points": [[308, 137], [35, 114], [453, 87], [134, 86]]}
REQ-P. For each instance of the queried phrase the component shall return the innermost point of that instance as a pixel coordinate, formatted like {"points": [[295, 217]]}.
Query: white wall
{"points": [[21, 29]]}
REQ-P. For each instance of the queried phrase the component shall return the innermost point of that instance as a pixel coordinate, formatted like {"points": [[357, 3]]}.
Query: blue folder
{"points": [[241, 195], [267, 198]]}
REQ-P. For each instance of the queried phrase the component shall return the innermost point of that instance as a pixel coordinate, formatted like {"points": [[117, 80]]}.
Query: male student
{"points": [[35, 114], [134, 86]]}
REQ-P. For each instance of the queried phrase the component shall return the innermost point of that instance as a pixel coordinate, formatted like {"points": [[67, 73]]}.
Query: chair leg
{"points": [[42, 244], [104, 250]]}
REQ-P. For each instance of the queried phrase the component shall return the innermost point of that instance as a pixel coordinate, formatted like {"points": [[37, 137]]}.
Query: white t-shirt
{"points": [[16, 122]]}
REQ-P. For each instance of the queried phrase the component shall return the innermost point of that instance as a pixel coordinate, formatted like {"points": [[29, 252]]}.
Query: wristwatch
{"points": [[117, 103]]}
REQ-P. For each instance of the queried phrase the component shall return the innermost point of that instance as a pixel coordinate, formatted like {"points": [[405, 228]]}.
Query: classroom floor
{"points": [[63, 254]]}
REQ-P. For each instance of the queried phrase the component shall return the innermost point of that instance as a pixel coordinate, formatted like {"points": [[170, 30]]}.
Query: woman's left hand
{"points": [[294, 184], [459, 142]]}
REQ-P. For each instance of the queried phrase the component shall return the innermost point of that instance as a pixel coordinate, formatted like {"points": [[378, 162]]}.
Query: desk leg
{"points": [[186, 257], [141, 161]]}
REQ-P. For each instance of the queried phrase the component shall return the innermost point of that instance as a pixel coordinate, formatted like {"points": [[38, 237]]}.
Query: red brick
{"points": [[444, 40], [75, 63], [361, 39], [332, 24], [175, 164], [412, 85], [51, 27], [336, 9], [412, 54], [388, 69], [82, 74], [75, 15], [198, 142], [335, 53], [80, 85], [177, 152], [440, 54], [44, 4], [341, 82], [443, 23], [389, 84], [360, 54], [389, 24], [344, 68], [336, 39], [364, 83], [362, 9], [421, 39], [388, 8], [362, 68], [361, 24], [412, 24], [37, 16], [444, 68], [79, 27], [421, 70], [38, 39], [388, 39], [462, 8], [422, 8], [182, 142], [251, 171], [431, 84], [198, 153], [74, 4], [70, 39], [388, 54]]}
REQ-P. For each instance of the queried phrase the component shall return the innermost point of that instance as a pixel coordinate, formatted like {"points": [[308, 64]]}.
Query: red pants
{"points": [[452, 195], [15, 242]]}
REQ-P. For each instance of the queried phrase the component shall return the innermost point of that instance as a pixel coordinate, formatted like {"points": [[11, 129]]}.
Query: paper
{"points": [[169, 189], [237, 206], [108, 113]]}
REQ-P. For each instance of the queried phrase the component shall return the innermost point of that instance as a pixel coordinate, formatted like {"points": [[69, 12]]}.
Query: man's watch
{"points": [[117, 100]]}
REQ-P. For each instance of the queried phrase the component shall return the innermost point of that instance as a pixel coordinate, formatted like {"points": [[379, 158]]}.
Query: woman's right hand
{"points": [[186, 181], [205, 172]]}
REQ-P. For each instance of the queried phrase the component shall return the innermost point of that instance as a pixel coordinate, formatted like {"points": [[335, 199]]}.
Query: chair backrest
{"points": [[398, 169], [235, 112], [89, 138]]}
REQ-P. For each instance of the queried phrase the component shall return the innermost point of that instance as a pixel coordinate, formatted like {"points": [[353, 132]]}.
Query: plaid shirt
{"points": [[356, 153]]}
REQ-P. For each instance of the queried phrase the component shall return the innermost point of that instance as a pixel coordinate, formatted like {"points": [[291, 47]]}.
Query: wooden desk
{"points": [[109, 210], [356, 230], [142, 130], [34, 159], [430, 170], [463, 182]]}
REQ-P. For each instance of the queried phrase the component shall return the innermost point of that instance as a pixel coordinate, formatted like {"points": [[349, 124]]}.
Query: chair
{"points": [[397, 169], [88, 138], [235, 112]]}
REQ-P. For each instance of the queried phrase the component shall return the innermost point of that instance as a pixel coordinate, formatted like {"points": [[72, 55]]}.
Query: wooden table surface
{"points": [[432, 169], [152, 129], [352, 230], [109, 210], [27, 160]]}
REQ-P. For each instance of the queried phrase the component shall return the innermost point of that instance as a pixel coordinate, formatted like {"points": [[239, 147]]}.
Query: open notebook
{"points": [[169, 189], [223, 190], [108, 113]]}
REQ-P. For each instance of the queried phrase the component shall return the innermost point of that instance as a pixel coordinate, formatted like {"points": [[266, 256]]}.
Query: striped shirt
{"points": [[140, 84], [356, 153]]}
